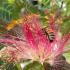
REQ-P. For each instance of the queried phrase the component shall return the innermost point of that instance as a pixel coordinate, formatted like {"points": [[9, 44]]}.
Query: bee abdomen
{"points": [[51, 36]]}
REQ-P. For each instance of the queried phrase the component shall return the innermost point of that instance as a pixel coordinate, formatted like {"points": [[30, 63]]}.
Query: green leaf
{"points": [[11, 1], [11, 66], [65, 27], [6, 11], [10, 9], [67, 56], [1, 62], [44, 4], [34, 66], [68, 7], [1, 46]]}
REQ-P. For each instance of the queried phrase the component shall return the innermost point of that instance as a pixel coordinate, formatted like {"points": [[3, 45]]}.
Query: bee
{"points": [[50, 33]]}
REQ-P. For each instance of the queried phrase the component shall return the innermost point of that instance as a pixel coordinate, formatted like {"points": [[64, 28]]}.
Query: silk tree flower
{"points": [[34, 45]]}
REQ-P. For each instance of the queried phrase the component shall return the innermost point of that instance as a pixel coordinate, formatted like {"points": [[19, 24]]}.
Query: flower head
{"points": [[34, 45]]}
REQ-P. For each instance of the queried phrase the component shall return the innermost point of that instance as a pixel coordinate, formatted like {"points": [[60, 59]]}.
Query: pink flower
{"points": [[34, 45]]}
